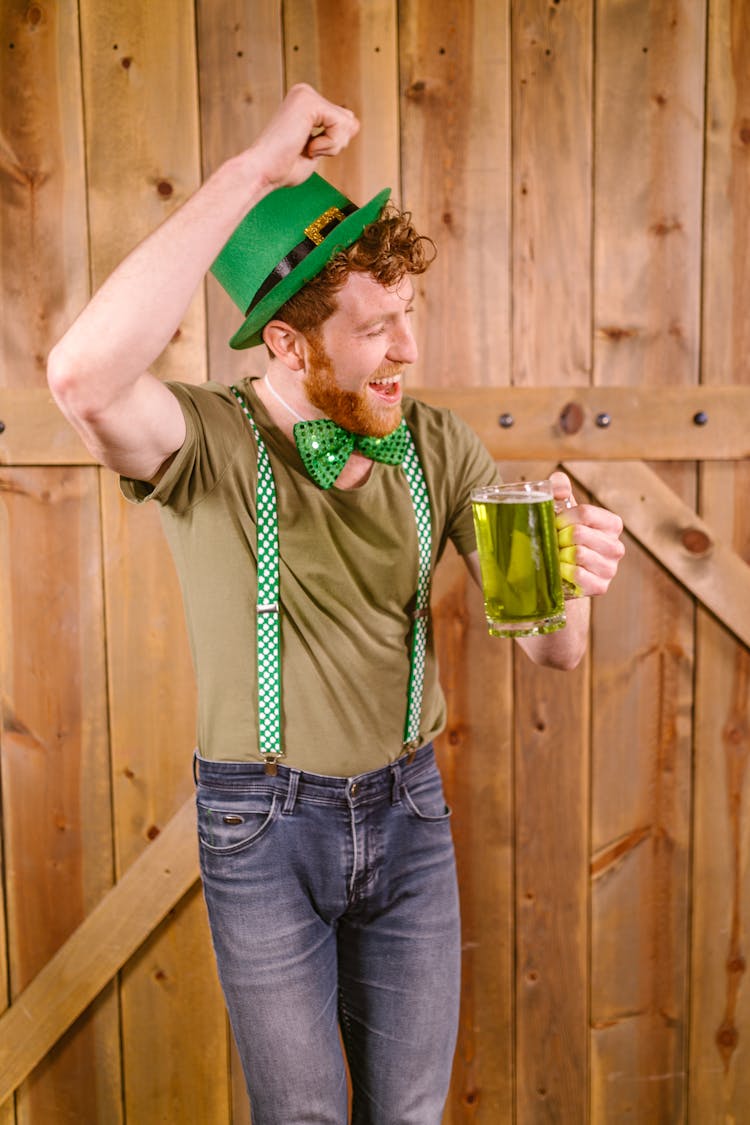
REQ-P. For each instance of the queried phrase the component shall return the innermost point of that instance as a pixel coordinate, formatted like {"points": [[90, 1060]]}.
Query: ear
{"points": [[285, 343]]}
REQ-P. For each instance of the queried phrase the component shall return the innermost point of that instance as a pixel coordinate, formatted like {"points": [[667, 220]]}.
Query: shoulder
{"points": [[439, 431], [211, 399], [215, 427]]}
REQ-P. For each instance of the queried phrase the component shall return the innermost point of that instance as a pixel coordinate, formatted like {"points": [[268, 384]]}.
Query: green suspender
{"points": [[268, 620]]}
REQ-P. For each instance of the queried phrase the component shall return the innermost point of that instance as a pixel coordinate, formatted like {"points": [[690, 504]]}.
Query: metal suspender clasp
{"points": [[271, 763], [410, 749], [424, 612], [267, 607]]}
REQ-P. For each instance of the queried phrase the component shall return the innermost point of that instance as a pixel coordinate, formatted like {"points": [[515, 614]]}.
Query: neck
{"points": [[282, 401], [284, 408]]}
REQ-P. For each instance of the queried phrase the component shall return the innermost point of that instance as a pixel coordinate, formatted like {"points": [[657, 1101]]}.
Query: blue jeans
{"points": [[333, 905]]}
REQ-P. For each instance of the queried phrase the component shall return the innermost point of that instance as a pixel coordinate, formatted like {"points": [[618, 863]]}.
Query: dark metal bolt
{"points": [[506, 421], [701, 418], [603, 420], [2, 427]]}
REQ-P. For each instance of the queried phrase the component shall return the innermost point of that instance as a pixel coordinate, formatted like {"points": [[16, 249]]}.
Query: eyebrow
{"points": [[363, 325]]}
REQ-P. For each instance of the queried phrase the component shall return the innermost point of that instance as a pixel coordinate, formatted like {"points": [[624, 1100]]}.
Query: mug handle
{"points": [[567, 552]]}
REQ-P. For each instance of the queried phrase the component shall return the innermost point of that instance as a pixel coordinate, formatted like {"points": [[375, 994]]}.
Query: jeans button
{"points": [[354, 789]]}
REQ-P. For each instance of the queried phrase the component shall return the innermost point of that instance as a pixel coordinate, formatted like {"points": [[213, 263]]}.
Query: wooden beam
{"points": [[548, 423], [681, 541], [642, 423], [121, 922], [34, 432]]}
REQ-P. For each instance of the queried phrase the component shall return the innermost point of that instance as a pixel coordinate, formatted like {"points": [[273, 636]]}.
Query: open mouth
{"points": [[387, 388]]}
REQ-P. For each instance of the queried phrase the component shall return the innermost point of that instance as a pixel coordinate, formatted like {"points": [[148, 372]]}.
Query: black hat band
{"points": [[315, 233]]}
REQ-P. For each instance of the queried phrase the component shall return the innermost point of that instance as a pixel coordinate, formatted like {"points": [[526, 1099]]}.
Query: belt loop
{"points": [[291, 793], [395, 783], [195, 767]]}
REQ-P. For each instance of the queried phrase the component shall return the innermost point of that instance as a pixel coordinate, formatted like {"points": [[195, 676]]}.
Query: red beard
{"points": [[355, 411]]}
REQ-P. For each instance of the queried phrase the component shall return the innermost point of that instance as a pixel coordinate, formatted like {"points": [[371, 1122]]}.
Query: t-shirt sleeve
{"points": [[473, 468], [214, 428]]}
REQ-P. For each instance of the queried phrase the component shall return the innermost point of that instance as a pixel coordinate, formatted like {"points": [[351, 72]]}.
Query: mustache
{"points": [[386, 370]]}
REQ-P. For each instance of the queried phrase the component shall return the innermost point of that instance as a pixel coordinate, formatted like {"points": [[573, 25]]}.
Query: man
{"points": [[306, 512]]}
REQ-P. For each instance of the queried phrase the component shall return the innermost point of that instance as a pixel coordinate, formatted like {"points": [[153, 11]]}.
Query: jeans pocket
{"points": [[425, 799], [232, 825]]}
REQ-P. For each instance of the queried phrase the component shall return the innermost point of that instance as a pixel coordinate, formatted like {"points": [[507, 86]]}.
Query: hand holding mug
{"points": [[589, 542], [536, 547]]}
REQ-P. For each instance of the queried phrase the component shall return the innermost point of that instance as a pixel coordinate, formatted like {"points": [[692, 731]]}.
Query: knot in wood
{"points": [[696, 541], [727, 1036], [571, 418]]}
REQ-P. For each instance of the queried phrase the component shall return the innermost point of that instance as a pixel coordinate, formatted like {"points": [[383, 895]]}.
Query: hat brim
{"points": [[347, 232]]}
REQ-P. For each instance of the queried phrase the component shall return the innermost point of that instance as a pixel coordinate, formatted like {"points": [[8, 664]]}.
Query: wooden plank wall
{"points": [[584, 167]]}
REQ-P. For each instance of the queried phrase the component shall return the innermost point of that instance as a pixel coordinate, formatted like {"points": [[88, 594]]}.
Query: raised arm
{"points": [[98, 371]]}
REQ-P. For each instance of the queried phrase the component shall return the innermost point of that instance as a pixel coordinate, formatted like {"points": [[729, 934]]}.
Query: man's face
{"points": [[354, 366]]}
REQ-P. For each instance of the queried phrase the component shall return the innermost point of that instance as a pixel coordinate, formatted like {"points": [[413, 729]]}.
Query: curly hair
{"points": [[388, 249]]}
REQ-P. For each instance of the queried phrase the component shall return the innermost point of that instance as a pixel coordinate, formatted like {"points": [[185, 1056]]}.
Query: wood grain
{"points": [[455, 161], [43, 244], [644, 423], [241, 80], [720, 1006], [56, 817], [348, 51], [454, 68], [91, 956], [577, 274], [475, 756], [55, 773], [550, 173], [685, 545], [648, 198], [141, 100]]}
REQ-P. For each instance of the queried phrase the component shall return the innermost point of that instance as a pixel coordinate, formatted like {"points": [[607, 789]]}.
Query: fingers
{"points": [[590, 547], [330, 127], [306, 127], [332, 133], [590, 515], [562, 488]]}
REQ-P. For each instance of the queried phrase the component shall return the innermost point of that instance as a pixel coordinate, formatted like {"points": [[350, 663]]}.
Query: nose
{"points": [[403, 348]]}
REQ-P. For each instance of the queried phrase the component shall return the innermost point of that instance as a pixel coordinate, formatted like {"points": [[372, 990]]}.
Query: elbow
{"points": [[69, 384], [60, 374], [568, 662]]}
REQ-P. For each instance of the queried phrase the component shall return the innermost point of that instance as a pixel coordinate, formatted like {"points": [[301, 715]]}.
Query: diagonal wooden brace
{"points": [[100, 946]]}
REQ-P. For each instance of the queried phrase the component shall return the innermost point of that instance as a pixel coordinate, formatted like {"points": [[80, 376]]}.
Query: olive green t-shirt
{"points": [[348, 577]]}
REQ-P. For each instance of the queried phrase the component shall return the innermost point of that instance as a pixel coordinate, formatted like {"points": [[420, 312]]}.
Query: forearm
{"points": [[132, 318], [136, 312], [565, 648]]}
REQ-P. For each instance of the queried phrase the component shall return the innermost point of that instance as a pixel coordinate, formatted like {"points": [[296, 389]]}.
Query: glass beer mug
{"points": [[524, 593]]}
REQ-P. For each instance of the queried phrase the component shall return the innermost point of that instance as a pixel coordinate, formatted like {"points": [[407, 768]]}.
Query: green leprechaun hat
{"points": [[282, 243]]}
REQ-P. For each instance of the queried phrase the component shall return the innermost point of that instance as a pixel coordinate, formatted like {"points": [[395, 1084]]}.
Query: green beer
{"points": [[518, 556]]}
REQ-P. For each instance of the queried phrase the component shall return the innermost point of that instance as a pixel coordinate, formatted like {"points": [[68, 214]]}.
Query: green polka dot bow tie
{"points": [[325, 447]]}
